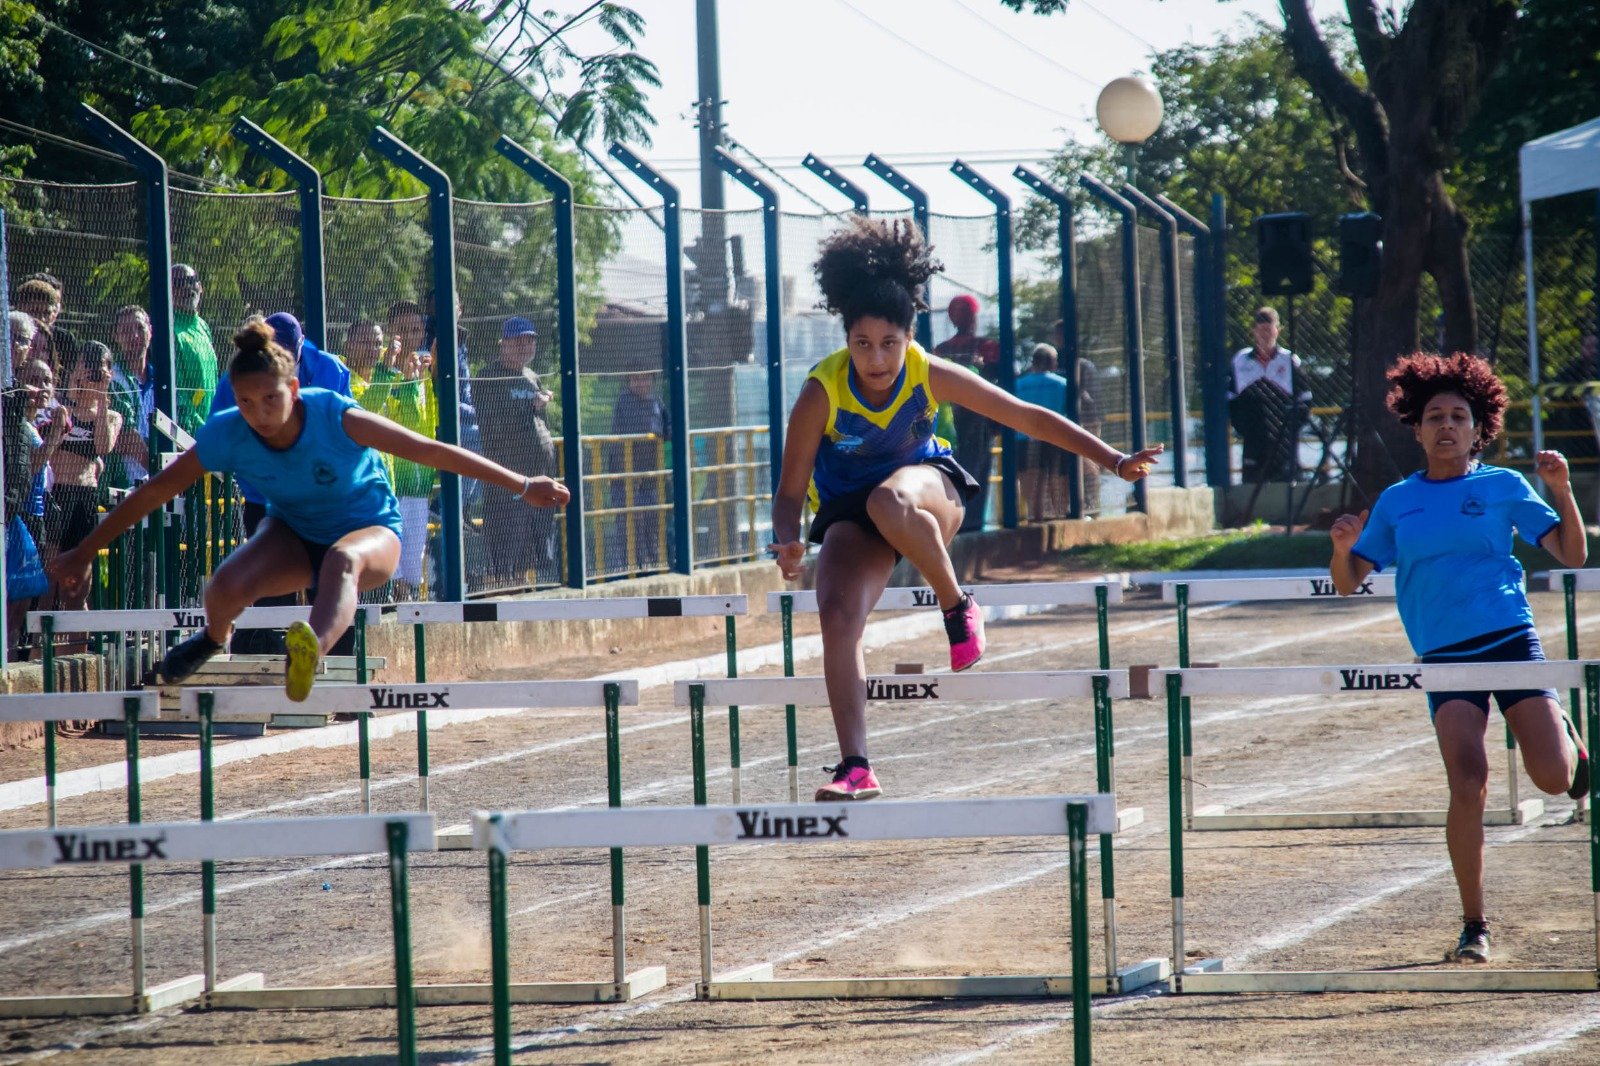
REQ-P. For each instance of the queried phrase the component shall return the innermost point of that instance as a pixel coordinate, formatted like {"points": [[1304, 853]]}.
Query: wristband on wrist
{"points": [[1116, 467], [527, 483]]}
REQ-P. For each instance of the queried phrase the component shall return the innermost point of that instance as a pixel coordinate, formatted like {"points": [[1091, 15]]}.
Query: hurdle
{"points": [[992, 687], [1517, 811], [394, 835], [249, 989], [130, 708], [1016, 594], [1573, 582], [565, 610], [1072, 816], [1208, 975]]}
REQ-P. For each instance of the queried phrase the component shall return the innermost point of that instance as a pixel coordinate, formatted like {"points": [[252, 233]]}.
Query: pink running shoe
{"points": [[963, 624], [855, 781]]}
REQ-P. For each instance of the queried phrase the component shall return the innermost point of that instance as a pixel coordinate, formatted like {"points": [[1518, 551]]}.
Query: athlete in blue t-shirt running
{"points": [[1447, 532], [332, 519]]}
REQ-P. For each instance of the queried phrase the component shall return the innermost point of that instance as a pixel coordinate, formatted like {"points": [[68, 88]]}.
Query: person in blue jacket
{"points": [[1447, 531], [332, 517]]}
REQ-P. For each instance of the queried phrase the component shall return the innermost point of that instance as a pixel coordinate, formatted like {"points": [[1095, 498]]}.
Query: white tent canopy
{"points": [[1553, 165]]}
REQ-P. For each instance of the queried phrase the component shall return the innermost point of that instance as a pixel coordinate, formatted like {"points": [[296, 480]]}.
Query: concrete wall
{"points": [[74, 673]]}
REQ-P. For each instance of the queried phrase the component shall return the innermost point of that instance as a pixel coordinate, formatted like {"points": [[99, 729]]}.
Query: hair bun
{"points": [[253, 337]]}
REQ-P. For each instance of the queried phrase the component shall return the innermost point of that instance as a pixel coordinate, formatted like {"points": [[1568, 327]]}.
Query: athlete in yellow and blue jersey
{"points": [[861, 447]]}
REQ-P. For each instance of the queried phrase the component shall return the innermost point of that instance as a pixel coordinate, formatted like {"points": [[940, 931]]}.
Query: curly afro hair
{"points": [[1418, 378], [875, 268]]}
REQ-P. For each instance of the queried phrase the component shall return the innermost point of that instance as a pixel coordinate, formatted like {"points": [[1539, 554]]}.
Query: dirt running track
{"points": [[1285, 900]]}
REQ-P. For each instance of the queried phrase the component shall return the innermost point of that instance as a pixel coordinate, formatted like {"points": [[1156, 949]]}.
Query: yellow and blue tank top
{"points": [[862, 444]]}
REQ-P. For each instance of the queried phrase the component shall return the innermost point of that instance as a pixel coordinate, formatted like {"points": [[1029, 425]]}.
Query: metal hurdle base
{"points": [[1459, 978], [1213, 819], [231, 995], [158, 997], [757, 982]]}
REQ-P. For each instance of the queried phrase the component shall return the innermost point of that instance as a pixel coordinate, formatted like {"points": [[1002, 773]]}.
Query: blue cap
{"points": [[517, 327], [287, 332]]}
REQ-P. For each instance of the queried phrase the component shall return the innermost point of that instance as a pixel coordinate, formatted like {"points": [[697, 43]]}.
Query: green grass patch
{"points": [[1247, 549]]}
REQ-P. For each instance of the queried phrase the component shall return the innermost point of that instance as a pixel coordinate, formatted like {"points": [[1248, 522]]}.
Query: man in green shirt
{"points": [[193, 353]]}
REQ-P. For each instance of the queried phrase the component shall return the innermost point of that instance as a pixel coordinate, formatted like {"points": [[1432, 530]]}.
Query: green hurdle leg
{"points": [[702, 853], [48, 636], [733, 712], [405, 993], [363, 721], [208, 868], [1105, 781], [1175, 818], [1569, 590], [619, 946], [130, 707], [1591, 685], [787, 603], [1102, 626], [500, 951], [1077, 862], [419, 640], [1187, 735]]}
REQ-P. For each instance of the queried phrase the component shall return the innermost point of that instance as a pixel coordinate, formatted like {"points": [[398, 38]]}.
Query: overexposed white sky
{"points": [[920, 82]]}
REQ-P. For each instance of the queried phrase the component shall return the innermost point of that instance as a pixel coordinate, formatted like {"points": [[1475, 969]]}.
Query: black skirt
{"points": [[852, 506]]}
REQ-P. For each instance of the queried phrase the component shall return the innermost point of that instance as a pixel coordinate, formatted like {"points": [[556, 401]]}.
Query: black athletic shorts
{"points": [[1519, 644], [852, 506]]}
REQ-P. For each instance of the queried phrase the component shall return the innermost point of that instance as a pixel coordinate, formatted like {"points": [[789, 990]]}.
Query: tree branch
{"points": [[1314, 62], [1373, 45]]}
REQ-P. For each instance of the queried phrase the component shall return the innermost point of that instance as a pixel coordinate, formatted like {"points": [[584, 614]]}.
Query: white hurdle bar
{"points": [[53, 707], [559, 609], [1016, 594], [1074, 817], [1268, 589], [1207, 975], [133, 845], [1099, 685], [445, 696], [1572, 582]]}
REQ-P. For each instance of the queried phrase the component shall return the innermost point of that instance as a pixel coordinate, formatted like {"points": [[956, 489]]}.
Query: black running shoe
{"points": [[187, 656], [1474, 943], [1580, 775]]}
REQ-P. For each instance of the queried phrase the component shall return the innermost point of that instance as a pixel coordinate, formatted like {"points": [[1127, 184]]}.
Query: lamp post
{"points": [[1129, 110]]}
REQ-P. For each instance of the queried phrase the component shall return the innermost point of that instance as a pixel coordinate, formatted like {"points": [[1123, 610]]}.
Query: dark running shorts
{"points": [[852, 506], [1517, 645]]}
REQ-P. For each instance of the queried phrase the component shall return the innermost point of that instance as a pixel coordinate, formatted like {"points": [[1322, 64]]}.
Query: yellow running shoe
{"points": [[305, 651]]}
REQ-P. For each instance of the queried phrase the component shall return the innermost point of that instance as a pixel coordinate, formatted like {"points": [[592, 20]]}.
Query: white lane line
{"points": [[1585, 1022]]}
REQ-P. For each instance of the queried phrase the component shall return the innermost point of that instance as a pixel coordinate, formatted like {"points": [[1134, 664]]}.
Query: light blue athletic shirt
{"points": [[324, 485], [1450, 544]]}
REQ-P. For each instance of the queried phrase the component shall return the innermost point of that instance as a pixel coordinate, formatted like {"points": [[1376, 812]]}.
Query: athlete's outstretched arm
{"points": [[800, 443], [966, 389], [71, 568], [375, 431]]}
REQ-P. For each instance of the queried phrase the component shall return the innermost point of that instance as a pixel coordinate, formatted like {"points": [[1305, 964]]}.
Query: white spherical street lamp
{"points": [[1129, 109]]}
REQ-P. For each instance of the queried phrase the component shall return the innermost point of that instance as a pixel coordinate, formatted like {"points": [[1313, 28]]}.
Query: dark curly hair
{"points": [[1417, 379], [875, 268]]}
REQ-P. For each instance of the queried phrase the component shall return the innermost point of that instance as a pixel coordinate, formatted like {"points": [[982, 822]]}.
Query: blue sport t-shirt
{"points": [[324, 485], [1450, 544]]}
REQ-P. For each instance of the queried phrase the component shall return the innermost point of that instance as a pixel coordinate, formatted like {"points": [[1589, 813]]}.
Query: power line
{"points": [[1047, 57], [941, 161], [115, 55], [44, 135], [951, 66], [1119, 26], [735, 145]]}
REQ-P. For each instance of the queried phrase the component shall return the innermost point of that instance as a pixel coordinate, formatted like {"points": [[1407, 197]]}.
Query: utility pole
{"points": [[711, 258]]}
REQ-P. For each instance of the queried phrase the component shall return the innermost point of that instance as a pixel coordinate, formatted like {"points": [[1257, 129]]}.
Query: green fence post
{"points": [[419, 639], [499, 947], [400, 906], [1078, 861], [733, 712], [619, 947], [786, 602], [130, 711]]}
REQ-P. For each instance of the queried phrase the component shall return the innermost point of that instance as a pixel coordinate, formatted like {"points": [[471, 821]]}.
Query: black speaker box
{"points": [[1284, 246], [1360, 253]]}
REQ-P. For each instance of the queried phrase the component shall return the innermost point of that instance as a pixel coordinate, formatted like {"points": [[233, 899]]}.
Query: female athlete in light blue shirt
{"points": [[331, 512], [1447, 532]]}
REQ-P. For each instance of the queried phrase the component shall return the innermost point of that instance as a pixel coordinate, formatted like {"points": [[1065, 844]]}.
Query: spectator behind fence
{"points": [[974, 433], [1269, 404], [91, 431], [1572, 416], [27, 458], [41, 301], [194, 357], [21, 329], [1042, 479], [638, 410], [133, 396], [513, 417], [1091, 413], [412, 401]]}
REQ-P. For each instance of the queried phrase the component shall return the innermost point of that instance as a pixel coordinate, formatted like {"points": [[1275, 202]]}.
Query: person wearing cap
{"points": [[193, 353], [1268, 404], [974, 441], [514, 421]]}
